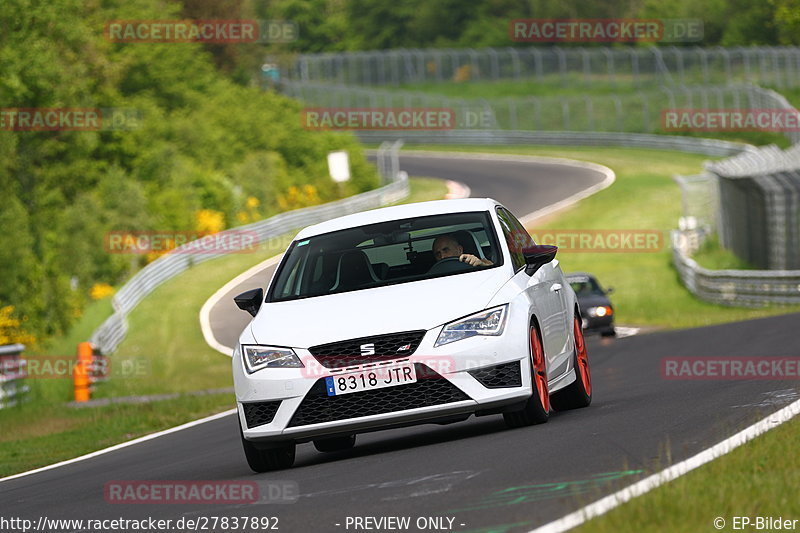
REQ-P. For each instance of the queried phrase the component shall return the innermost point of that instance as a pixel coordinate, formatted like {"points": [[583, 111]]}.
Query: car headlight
{"points": [[600, 311], [488, 322], [259, 357]]}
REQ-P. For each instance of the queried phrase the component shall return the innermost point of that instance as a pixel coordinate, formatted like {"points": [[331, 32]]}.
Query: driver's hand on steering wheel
{"points": [[473, 260]]}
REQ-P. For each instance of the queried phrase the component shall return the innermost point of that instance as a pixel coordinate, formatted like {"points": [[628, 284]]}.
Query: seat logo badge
{"points": [[368, 349], [404, 348]]}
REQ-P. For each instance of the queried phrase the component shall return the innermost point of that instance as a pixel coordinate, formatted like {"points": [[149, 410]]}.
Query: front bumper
{"points": [[456, 389], [598, 323]]}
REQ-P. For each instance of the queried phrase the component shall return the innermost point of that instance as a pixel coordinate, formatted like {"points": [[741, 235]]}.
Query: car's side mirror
{"points": [[538, 255], [250, 301], [609, 290]]}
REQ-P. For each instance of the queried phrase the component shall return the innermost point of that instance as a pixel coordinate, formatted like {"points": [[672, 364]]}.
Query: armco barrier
{"points": [[107, 337], [748, 288], [12, 373], [710, 147]]}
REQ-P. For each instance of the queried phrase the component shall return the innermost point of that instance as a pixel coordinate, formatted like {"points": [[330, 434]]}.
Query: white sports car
{"points": [[421, 313]]}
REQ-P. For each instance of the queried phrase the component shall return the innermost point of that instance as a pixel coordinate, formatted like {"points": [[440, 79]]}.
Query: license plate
{"points": [[373, 378]]}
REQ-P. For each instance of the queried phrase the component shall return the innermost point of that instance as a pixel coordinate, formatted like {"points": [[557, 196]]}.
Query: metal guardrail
{"points": [[108, 336], [12, 372], [748, 288], [710, 147], [752, 201], [662, 65]]}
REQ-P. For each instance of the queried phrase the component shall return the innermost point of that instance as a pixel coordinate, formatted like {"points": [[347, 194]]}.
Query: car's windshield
{"points": [[585, 285], [385, 253]]}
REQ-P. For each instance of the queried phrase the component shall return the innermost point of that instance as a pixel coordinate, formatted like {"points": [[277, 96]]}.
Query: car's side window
{"points": [[520, 233], [512, 238]]}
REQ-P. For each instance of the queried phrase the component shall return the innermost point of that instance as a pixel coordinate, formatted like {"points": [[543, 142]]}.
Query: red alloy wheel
{"points": [[583, 358], [539, 370]]}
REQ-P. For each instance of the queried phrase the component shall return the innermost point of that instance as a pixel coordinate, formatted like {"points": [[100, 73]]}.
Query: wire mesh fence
{"points": [[640, 66], [641, 111]]}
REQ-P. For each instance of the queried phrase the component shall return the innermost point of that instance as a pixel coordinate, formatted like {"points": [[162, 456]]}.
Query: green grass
{"points": [[753, 480], [164, 341], [93, 315], [648, 291], [423, 189], [61, 432], [713, 256]]}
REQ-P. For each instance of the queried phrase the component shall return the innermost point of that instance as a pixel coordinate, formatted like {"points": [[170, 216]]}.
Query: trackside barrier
{"points": [[108, 336], [748, 288], [710, 147], [12, 374], [644, 66]]}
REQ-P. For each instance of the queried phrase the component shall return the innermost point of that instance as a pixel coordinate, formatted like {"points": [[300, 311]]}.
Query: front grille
{"points": [[350, 352], [430, 389], [500, 376], [259, 413]]}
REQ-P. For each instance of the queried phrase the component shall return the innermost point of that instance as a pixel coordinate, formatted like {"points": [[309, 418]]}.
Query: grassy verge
{"points": [[713, 256], [648, 291], [164, 340], [756, 478]]}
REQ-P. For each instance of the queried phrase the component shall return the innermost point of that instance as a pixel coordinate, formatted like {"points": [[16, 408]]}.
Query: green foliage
{"points": [[202, 142], [336, 25]]}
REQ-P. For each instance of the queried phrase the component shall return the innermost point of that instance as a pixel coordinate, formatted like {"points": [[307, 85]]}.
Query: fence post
{"points": [[82, 372]]}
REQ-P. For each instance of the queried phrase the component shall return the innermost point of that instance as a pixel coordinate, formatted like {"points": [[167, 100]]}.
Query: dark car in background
{"points": [[596, 309]]}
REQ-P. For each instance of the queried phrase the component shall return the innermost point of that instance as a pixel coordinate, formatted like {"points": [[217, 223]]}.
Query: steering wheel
{"points": [[446, 265]]}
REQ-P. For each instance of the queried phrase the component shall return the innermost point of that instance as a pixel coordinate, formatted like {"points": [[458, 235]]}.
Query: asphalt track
{"points": [[482, 475]]}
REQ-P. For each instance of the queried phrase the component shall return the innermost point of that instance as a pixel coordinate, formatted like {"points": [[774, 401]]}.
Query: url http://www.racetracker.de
{"points": [[45, 524]]}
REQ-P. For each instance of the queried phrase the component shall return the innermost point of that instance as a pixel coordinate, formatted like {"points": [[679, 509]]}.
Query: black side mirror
{"points": [[609, 290], [250, 301], [538, 255]]}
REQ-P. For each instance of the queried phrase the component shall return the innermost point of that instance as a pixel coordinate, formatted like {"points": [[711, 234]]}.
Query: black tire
{"points": [[270, 459], [609, 333], [535, 411], [575, 395], [335, 444]]}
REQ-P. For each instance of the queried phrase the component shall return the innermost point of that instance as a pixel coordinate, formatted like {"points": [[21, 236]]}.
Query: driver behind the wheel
{"points": [[447, 246]]}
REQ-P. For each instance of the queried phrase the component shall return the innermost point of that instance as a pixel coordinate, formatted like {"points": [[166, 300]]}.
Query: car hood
{"points": [[593, 300], [403, 307]]}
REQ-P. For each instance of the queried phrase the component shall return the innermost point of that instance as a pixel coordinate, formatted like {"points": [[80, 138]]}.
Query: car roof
{"points": [[419, 209]]}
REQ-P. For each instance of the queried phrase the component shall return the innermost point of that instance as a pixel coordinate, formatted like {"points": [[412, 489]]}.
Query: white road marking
{"points": [[610, 177], [456, 189], [647, 484], [133, 442], [624, 331], [205, 311]]}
